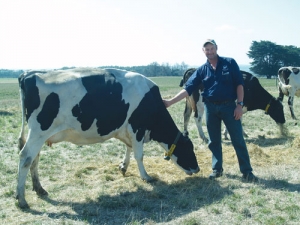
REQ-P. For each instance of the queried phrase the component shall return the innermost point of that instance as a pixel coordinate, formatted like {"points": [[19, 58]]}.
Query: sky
{"points": [[50, 34]]}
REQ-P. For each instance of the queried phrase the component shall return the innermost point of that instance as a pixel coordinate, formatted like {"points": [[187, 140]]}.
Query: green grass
{"points": [[9, 91], [85, 186]]}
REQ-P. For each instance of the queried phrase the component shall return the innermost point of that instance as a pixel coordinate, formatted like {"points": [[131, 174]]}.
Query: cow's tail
{"points": [[22, 98]]}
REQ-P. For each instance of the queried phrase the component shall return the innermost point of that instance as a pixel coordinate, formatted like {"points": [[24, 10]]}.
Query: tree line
{"points": [[152, 70], [267, 57]]}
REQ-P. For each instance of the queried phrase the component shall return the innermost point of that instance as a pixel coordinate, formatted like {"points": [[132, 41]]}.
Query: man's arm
{"points": [[240, 93], [238, 112], [179, 96]]}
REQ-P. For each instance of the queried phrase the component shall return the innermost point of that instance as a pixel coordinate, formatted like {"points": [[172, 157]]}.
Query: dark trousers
{"points": [[215, 114]]}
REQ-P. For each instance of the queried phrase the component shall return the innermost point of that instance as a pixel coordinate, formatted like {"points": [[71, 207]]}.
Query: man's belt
{"points": [[219, 102]]}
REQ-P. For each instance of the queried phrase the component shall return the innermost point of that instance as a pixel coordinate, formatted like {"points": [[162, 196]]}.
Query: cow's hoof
{"points": [[122, 169], [149, 179], [185, 133], [41, 192], [23, 205]]}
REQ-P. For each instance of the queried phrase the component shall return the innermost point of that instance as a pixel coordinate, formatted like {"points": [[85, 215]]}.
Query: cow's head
{"points": [[184, 156], [283, 75], [288, 79], [275, 110], [187, 74]]}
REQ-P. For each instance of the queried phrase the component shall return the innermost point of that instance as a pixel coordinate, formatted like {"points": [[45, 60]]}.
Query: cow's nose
{"points": [[196, 170], [191, 171]]}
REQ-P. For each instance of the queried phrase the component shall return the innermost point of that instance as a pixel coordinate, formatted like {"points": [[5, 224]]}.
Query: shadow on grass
{"points": [[5, 113], [275, 184], [263, 141], [166, 202]]}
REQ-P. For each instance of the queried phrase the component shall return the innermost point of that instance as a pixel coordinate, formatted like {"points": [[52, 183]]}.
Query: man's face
{"points": [[210, 51]]}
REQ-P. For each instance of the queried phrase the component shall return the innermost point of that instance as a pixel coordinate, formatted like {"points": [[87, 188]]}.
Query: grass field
{"points": [[85, 186]]}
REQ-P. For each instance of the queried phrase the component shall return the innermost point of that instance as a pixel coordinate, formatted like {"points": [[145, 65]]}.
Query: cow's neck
{"points": [[164, 129], [261, 103]]}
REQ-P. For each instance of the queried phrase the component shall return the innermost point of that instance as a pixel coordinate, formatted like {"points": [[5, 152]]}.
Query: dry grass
{"points": [[85, 186]]}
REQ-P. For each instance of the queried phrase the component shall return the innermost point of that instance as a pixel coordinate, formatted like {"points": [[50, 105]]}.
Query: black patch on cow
{"points": [[295, 70], [144, 116], [102, 102], [31, 93], [151, 114], [49, 111]]}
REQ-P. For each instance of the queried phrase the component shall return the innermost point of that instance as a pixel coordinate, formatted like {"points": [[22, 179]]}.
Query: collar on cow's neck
{"points": [[268, 106], [173, 146]]}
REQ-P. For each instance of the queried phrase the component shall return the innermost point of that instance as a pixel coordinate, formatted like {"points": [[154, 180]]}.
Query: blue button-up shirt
{"points": [[220, 84]]}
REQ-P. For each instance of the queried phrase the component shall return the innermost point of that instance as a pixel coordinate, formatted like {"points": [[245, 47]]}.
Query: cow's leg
{"points": [[198, 119], [37, 187], [125, 163], [138, 155], [225, 132], [186, 117], [281, 95], [290, 103], [28, 153]]}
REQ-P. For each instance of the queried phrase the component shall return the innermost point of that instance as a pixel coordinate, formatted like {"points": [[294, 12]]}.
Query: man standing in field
{"points": [[223, 84]]}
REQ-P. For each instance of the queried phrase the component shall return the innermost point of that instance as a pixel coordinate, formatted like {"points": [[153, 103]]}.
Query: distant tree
{"points": [[265, 55], [166, 70], [268, 57], [4, 73], [179, 69], [183, 67], [291, 56], [153, 69]]}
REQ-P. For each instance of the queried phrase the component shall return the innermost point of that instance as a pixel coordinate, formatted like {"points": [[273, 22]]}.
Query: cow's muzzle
{"points": [[191, 171]]}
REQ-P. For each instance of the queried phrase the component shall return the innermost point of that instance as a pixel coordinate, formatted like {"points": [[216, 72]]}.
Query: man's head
{"points": [[209, 48]]}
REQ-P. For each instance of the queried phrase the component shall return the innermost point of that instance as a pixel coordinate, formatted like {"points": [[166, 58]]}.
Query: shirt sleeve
{"points": [[238, 78], [193, 82]]}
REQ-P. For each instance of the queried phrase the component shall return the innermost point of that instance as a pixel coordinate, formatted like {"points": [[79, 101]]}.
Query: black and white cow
{"points": [[255, 97], [289, 85], [90, 105]]}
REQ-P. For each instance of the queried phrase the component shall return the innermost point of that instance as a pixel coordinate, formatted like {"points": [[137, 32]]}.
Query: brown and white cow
{"points": [[255, 97], [90, 105], [289, 85]]}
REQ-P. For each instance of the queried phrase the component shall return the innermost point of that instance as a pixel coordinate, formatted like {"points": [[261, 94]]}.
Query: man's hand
{"points": [[238, 112], [167, 103]]}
